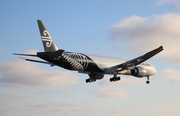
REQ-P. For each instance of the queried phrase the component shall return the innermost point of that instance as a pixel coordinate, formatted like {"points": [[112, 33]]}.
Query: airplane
{"points": [[95, 66]]}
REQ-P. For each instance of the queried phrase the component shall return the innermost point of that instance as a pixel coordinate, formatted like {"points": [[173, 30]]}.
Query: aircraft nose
{"points": [[153, 70]]}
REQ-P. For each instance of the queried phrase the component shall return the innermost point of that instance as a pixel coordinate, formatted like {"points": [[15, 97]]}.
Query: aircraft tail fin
{"points": [[47, 40]]}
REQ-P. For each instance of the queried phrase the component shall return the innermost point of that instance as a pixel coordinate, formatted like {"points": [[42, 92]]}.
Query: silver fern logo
{"points": [[47, 38], [76, 61]]}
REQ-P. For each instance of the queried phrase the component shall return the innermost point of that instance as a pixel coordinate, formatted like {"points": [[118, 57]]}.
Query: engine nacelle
{"points": [[139, 71], [96, 75]]}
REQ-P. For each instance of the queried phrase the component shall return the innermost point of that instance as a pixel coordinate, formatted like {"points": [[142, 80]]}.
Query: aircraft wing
{"points": [[134, 62]]}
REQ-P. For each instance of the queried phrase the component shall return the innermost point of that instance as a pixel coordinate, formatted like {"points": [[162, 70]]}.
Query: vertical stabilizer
{"points": [[47, 40]]}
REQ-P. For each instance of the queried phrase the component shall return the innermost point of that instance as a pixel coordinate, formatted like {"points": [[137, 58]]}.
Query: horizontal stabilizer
{"points": [[37, 61], [25, 54]]}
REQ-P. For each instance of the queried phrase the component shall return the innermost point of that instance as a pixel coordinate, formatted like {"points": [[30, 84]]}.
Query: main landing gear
{"points": [[115, 78], [90, 80]]}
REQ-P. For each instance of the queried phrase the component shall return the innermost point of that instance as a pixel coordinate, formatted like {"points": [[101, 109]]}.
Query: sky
{"points": [[116, 28]]}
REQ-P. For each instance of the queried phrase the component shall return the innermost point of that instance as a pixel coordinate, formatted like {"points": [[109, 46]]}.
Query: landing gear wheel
{"points": [[114, 78], [111, 79], [118, 78], [87, 80], [147, 82], [90, 80]]}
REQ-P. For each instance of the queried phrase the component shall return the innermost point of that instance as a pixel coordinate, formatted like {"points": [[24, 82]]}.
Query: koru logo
{"points": [[47, 38]]}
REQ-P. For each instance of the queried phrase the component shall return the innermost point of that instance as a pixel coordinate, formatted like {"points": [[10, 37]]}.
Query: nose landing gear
{"points": [[147, 82]]}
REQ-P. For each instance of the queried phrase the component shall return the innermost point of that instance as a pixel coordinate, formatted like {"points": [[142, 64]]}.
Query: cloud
{"points": [[162, 2], [62, 108], [111, 92], [55, 105], [142, 34], [31, 52], [22, 73], [11, 95], [115, 112], [171, 75], [115, 89], [125, 81], [168, 2], [165, 112]]}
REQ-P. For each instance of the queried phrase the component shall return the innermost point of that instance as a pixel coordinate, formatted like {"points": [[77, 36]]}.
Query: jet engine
{"points": [[94, 76], [139, 71]]}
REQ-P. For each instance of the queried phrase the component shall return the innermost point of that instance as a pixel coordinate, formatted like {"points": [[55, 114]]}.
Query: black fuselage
{"points": [[71, 61]]}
